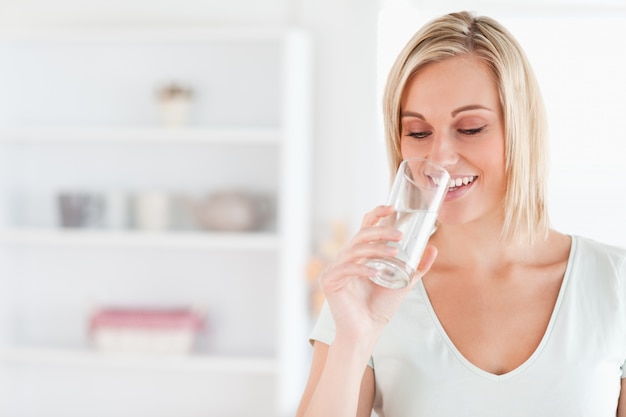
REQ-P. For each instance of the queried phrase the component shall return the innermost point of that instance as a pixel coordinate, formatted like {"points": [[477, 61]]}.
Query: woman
{"points": [[504, 316]]}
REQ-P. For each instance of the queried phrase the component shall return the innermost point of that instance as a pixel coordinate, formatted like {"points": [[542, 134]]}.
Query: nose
{"points": [[443, 150]]}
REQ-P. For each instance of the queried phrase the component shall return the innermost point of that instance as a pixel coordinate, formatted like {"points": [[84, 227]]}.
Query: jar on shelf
{"points": [[174, 104]]}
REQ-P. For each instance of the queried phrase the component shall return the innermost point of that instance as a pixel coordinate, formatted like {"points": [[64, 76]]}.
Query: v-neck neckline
{"points": [[544, 340]]}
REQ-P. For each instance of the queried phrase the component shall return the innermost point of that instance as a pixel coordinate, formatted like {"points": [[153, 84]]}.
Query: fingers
{"points": [[369, 242], [370, 249], [373, 217], [350, 262], [371, 229], [336, 276], [428, 258]]}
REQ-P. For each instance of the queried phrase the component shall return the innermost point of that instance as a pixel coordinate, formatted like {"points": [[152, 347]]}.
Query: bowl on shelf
{"points": [[234, 211]]}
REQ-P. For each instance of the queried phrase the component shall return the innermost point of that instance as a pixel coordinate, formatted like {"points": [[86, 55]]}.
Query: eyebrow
{"points": [[412, 114], [453, 113], [469, 107]]}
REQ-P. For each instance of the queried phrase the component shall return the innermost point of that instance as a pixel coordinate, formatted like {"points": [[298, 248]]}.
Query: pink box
{"points": [[149, 330]]}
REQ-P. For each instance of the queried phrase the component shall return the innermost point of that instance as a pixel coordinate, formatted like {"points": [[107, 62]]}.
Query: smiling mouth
{"points": [[456, 183]]}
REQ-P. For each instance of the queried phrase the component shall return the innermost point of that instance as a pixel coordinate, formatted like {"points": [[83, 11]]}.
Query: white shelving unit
{"points": [[77, 113]]}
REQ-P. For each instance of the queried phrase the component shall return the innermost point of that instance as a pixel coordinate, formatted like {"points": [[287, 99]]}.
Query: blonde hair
{"points": [[525, 127]]}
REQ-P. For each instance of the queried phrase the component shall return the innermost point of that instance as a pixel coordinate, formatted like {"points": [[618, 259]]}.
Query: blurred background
{"points": [[174, 175]]}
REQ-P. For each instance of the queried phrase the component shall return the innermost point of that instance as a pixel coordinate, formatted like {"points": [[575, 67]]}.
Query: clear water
{"points": [[416, 226]]}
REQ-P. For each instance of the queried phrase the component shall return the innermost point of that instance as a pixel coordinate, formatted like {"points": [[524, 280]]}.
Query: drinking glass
{"points": [[417, 193]]}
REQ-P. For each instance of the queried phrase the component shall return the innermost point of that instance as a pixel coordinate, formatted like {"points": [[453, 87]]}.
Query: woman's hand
{"points": [[360, 307]]}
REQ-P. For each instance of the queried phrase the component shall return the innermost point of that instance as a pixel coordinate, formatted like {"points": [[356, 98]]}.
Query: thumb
{"points": [[428, 258]]}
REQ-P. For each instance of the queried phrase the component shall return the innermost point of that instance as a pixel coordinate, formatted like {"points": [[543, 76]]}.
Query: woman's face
{"points": [[451, 115]]}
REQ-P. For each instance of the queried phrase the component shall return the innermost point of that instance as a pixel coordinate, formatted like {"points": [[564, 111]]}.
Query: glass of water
{"points": [[417, 192]]}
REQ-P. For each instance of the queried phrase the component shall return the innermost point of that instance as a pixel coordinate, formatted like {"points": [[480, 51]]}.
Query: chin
{"points": [[450, 218]]}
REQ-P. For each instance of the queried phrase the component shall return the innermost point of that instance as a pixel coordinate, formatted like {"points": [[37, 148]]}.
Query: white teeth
{"points": [[457, 182]]}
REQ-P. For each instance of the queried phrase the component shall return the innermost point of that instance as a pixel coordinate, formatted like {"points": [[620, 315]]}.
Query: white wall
{"points": [[20, 13], [348, 156]]}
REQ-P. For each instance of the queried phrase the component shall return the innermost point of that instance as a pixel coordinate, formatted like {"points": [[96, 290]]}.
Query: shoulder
{"points": [[597, 263], [591, 250]]}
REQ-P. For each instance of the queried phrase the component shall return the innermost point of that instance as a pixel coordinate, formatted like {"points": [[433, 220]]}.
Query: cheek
{"points": [[496, 167], [492, 154], [408, 149]]}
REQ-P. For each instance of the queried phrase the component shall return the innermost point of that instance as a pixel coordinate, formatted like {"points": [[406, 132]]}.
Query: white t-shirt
{"points": [[575, 371]]}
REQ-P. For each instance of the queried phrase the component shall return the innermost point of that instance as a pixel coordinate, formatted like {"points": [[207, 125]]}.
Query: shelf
{"points": [[174, 135], [148, 362], [188, 240]]}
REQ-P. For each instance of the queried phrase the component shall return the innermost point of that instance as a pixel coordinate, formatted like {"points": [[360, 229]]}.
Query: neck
{"points": [[478, 245]]}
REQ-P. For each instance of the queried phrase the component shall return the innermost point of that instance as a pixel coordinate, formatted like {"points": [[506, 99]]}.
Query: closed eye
{"points": [[419, 135], [471, 132]]}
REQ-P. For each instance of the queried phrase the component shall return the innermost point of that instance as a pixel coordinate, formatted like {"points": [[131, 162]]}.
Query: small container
{"points": [[234, 211], [152, 211], [81, 209], [174, 104], [146, 330]]}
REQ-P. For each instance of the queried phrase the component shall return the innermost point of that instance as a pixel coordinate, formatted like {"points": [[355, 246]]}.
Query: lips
{"points": [[457, 186]]}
